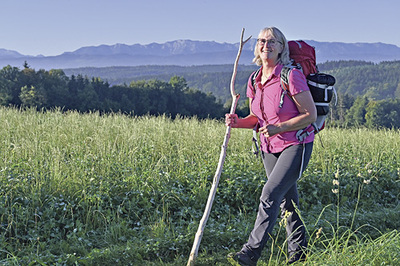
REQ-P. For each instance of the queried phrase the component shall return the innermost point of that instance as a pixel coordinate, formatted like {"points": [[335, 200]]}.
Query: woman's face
{"points": [[268, 47]]}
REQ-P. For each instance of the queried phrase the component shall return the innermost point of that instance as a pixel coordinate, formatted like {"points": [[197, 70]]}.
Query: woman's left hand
{"points": [[269, 130]]}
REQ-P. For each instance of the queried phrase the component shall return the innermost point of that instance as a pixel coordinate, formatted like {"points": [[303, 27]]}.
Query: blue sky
{"points": [[51, 27]]}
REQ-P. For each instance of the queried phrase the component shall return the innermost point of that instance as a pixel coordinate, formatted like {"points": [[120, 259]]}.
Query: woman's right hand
{"points": [[231, 120]]}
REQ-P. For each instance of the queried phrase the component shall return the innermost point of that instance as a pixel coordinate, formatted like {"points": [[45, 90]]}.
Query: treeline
{"points": [[368, 93], [356, 78], [213, 79], [374, 81], [361, 111], [49, 89]]}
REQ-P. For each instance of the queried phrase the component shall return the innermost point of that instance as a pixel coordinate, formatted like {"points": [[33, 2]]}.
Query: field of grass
{"points": [[87, 189]]}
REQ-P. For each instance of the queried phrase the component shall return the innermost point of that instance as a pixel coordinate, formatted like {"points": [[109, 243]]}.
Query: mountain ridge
{"points": [[189, 52]]}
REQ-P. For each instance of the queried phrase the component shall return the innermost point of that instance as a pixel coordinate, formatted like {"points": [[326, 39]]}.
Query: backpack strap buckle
{"points": [[282, 96], [302, 134], [255, 147]]}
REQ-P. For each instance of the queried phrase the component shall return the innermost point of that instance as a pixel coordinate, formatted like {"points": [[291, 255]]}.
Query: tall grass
{"points": [[115, 189]]}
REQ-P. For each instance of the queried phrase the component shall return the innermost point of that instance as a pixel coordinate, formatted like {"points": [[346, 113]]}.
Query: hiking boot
{"points": [[297, 257], [243, 259]]}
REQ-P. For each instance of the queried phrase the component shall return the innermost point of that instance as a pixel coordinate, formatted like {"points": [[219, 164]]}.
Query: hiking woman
{"points": [[284, 156]]}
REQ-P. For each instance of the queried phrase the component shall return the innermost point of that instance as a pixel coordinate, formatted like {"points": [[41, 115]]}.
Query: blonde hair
{"points": [[283, 57]]}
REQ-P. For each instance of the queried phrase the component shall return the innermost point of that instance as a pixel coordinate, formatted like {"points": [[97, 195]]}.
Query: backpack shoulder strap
{"points": [[285, 74], [285, 83], [253, 78]]}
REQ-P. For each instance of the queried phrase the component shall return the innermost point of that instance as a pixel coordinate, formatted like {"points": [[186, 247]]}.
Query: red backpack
{"points": [[303, 55], [320, 84]]}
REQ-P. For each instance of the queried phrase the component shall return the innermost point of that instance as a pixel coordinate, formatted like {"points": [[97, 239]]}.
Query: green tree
{"points": [[356, 114], [338, 109], [383, 113], [12, 75], [382, 92], [5, 91], [55, 83], [88, 98], [25, 65], [32, 96], [178, 83], [397, 91]]}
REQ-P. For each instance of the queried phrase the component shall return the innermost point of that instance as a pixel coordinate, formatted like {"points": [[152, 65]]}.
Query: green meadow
{"points": [[92, 189]]}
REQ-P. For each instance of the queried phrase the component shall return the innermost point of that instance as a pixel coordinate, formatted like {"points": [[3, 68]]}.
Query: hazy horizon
{"points": [[48, 27]]}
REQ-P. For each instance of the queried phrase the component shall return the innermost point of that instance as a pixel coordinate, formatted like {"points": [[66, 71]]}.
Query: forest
{"points": [[368, 93], [53, 89]]}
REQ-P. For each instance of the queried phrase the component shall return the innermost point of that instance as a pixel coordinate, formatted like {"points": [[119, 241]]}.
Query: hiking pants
{"points": [[280, 191]]}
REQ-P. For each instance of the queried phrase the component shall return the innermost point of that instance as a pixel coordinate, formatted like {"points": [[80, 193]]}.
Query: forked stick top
{"points": [[242, 42]]}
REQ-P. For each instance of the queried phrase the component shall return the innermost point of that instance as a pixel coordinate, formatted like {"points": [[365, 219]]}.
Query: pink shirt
{"points": [[265, 105]]}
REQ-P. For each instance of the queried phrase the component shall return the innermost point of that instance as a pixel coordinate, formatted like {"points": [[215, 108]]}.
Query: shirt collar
{"points": [[275, 73], [277, 70]]}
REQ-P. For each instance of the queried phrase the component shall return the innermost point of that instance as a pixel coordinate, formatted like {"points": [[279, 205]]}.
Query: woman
{"points": [[284, 156]]}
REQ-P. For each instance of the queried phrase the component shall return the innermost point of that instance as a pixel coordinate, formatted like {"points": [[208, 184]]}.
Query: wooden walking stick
{"points": [[213, 190]]}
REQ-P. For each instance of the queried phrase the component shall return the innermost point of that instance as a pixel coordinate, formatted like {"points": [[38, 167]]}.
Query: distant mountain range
{"points": [[187, 53]]}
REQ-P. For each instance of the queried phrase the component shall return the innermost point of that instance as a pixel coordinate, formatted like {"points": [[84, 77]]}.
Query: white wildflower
{"points": [[337, 174], [319, 232]]}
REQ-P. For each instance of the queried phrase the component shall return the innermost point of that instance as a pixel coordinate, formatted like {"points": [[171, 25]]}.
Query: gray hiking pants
{"points": [[280, 192]]}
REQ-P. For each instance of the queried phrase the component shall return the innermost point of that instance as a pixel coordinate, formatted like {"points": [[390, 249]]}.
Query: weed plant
{"points": [[114, 189]]}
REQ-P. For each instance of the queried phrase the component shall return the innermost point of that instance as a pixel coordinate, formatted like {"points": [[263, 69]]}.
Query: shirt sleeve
{"points": [[297, 82]]}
